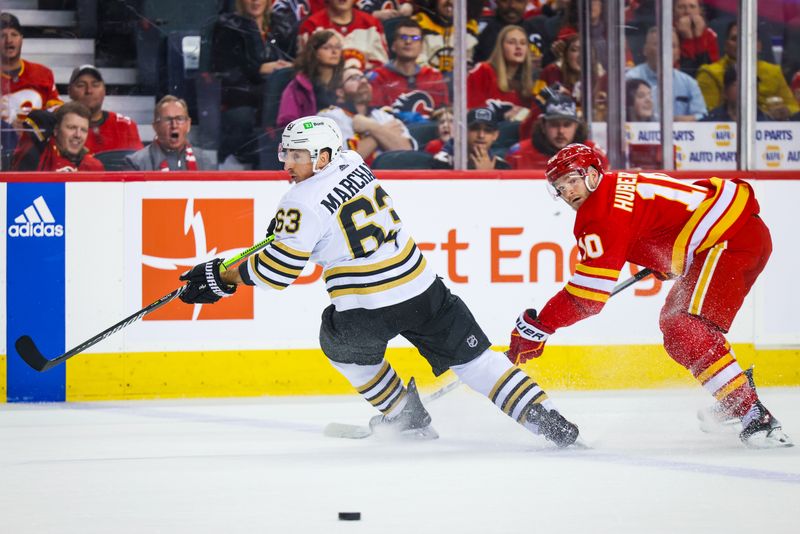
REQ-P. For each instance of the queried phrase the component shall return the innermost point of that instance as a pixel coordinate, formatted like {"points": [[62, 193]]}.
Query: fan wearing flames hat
{"points": [[707, 236]]}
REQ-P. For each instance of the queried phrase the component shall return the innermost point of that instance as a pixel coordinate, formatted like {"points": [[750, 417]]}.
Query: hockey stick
{"points": [[619, 287], [30, 353]]}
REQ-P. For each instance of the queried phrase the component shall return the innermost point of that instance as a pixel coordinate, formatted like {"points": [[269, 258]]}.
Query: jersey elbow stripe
{"points": [[262, 278], [597, 272], [278, 268], [377, 286], [290, 252], [600, 284], [585, 293]]}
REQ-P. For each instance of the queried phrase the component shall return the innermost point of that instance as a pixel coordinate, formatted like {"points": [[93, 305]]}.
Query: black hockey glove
{"points": [[205, 285]]}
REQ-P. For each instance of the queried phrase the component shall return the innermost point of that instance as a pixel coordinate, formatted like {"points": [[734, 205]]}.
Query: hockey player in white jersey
{"points": [[339, 216]]}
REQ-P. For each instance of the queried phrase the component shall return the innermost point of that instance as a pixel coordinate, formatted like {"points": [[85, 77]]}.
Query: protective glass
{"points": [[564, 183], [293, 155]]}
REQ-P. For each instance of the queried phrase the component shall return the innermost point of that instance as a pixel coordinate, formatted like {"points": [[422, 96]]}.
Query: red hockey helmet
{"points": [[573, 158]]}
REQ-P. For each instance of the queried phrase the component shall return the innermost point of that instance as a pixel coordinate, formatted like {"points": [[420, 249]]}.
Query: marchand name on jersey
{"points": [[350, 187], [625, 191]]}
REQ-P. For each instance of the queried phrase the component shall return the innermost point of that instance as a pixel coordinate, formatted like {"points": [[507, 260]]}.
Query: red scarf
{"points": [[191, 161]]}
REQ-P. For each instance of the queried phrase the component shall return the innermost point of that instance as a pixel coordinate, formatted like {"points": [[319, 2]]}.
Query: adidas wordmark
{"points": [[36, 221]]}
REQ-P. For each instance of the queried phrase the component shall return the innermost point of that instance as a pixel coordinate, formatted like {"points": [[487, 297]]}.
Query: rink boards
{"points": [[501, 244]]}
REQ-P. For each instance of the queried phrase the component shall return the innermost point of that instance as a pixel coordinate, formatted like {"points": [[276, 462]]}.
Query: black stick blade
{"points": [[31, 354]]}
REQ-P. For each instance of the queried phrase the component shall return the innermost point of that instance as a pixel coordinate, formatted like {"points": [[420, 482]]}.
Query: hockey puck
{"points": [[349, 516]]}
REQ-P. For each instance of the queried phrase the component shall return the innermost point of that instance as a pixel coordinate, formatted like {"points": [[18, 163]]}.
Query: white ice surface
{"points": [[263, 466]]}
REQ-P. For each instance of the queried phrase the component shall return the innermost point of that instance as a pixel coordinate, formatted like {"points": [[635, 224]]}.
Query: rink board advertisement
{"points": [[705, 145], [501, 245]]}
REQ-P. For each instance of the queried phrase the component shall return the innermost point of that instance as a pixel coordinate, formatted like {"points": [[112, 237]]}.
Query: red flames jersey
{"points": [[363, 37], [114, 132], [422, 93], [52, 160], [647, 219], [32, 88]]}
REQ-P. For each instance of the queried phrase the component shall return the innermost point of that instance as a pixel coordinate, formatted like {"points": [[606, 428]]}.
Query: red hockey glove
{"points": [[527, 338]]}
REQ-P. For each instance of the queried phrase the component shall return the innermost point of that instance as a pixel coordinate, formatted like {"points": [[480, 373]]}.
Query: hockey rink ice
{"points": [[263, 466]]}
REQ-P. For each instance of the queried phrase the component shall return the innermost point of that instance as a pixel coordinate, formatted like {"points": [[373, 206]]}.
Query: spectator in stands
{"points": [[771, 82], [386, 9], [365, 129], [65, 150], [444, 130], [555, 129], [639, 101], [107, 130], [688, 103], [505, 81], [507, 12], [435, 17], [796, 86], [698, 42], [24, 85], [545, 29], [413, 91], [245, 49], [362, 34], [728, 109], [171, 150], [482, 132], [565, 73], [318, 74]]}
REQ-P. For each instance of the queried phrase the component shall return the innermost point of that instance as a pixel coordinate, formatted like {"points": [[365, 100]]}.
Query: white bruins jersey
{"points": [[342, 219]]}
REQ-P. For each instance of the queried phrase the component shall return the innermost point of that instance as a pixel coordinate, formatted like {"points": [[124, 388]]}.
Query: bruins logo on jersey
{"points": [[442, 59]]}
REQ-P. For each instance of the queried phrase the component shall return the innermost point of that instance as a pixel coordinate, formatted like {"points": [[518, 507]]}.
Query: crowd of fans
{"points": [[382, 69]]}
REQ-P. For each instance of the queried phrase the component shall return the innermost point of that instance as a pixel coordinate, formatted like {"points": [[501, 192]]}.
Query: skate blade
{"points": [[343, 430], [710, 425], [420, 434], [580, 445], [774, 439], [386, 432]]}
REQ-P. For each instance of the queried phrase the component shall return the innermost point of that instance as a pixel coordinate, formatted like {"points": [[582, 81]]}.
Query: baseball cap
{"points": [[7, 20], [481, 116], [85, 69], [561, 106]]}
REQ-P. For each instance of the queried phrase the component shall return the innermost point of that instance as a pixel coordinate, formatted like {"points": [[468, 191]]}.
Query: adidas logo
{"points": [[36, 221]]}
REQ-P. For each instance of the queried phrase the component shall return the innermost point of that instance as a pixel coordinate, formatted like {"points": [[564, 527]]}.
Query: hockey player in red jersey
{"points": [[708, 236]]}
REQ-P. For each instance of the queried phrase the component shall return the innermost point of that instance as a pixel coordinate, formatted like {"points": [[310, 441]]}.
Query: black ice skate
{"points": [[553, 426], [414, 420], [717, 419], [764, 432]]}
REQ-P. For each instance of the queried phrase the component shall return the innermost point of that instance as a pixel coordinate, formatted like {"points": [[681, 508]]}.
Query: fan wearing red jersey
{"points": [[361, 33], [708, 236], [24, 85], [65, 151], [107, 130], [411, 90]]}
